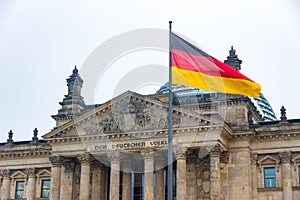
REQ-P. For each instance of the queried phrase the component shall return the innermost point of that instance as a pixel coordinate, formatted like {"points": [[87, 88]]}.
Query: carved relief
{"points": [[132, 114], [56, 161], [85, 158], [110, 125], [215, 150], [30, 172], [5, 173], [203, 178], [285, 157]]}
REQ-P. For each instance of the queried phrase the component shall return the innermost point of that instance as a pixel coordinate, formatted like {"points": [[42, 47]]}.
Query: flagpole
{"points": [[170, 151]]}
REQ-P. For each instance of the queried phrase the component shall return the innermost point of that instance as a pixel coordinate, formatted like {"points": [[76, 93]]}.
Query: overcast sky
{"points": [[41, 41]]}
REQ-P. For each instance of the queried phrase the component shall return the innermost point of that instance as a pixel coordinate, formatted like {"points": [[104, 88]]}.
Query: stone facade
{"points": [[222, 150]]}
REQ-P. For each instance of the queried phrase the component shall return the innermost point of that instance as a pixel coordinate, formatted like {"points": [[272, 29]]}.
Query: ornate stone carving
{"points": [[285, 157], [141, 111], [10, 140], [147, 155], [6, 173], [56, 161], [30, 172], [69, 165], [202, 172], [85, 158], [215, 150], [253, 158], [283, 114], [110, 125], [180, 153], [114, 156], [93, 127], [224, 158]]}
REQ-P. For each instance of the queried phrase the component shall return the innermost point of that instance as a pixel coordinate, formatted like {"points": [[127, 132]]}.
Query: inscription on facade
{"points": [[128, 145]]}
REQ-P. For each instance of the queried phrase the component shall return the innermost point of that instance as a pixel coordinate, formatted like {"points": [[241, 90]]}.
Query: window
{"points": [[270, 177], [19, 189], [45, 192]]}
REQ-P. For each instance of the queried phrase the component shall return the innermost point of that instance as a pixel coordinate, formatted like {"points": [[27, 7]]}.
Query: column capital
{"points": [[147, 154], [30, 172], [180, 153], [114, 156], [85, 158], [6, 173], [56, 161], [69, 165], [285, 156], [126, 166], [215, 150], [253, 158]]}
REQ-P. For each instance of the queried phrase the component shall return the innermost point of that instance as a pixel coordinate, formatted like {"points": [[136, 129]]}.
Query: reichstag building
{"points": [[224, 147]]}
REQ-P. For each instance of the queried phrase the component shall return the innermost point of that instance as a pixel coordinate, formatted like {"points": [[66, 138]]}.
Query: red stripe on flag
{"points": [[206, 65]]}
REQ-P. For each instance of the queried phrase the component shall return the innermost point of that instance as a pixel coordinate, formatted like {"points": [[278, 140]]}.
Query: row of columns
{"points": [[58, 183]]}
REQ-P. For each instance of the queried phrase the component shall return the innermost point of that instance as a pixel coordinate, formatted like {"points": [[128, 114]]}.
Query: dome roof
{"points": [[261, 103]]}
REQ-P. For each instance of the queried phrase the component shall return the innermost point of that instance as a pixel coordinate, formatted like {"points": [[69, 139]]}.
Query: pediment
{"points": [[43, 173], [268, 160], [127, 113], [18, 175], [296, 159]]}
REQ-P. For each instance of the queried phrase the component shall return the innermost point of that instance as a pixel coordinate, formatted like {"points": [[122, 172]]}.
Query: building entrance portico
{"points": [[135, 175]]}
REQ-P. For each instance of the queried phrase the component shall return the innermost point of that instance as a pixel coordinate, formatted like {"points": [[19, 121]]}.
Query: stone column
{"points": [[126, 189], [181, 174], [30, 193], [85, 160], [114, 191], [5, 190], [149, 178], [67, 180], [97, 181], [215, 182], [286, 175], [56, 162], [160, 190], [254, 176]]}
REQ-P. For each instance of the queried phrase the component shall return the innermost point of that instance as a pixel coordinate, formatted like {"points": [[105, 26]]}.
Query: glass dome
{"points": [[261, 102]]}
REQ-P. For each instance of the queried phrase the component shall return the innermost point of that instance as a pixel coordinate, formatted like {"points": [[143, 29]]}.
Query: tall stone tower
{"points": [[72, 104]]}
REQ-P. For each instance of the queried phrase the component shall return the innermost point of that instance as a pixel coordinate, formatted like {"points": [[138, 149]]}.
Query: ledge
{"points": [[277, 189]]}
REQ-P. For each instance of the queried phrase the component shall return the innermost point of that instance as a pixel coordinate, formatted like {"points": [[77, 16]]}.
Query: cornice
{"points": [[136, 134], [24, 154]]}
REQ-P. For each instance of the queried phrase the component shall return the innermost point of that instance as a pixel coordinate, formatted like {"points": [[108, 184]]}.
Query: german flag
{"points": [[194, 68]]}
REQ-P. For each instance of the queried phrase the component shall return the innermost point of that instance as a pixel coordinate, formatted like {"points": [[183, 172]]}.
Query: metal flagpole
{"points": [[170, 151]]}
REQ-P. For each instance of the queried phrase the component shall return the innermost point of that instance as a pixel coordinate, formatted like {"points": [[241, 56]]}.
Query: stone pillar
{"points": [[286, 175], [66, 190], [5, 190], [149, 177], [30, 193], [160, 190], [254, 176], [181, 174], [215, 180], [114, 191], [56, 162], [85, 160], [126, 189], [97, 181]]}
